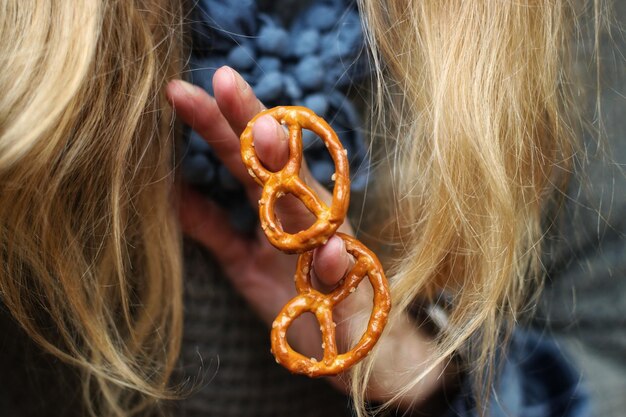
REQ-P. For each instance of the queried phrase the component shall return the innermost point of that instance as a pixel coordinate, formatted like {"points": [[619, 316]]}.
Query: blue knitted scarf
{"points": [[291, 54]]}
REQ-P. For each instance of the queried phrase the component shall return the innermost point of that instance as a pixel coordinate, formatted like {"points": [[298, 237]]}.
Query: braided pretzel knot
{"points": [[286, 180], [276, 184]]}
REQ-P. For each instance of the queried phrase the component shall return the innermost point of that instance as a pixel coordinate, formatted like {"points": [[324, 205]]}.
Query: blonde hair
{"points": [[473, 104], [91, 265]]}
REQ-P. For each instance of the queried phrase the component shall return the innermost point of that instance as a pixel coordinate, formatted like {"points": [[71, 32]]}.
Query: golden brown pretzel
{"points": [[327, 221], [276, 184], [309, 299]]}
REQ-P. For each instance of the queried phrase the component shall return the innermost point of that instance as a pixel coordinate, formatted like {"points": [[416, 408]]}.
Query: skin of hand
{"points": [[262, 273]]}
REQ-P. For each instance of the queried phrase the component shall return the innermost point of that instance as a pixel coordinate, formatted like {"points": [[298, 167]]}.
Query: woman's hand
{"points": [[260, 272]]}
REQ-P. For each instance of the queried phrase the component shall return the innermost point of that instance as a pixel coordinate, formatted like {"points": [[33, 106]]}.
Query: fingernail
{"points": [[189, 88], [242, 85], [338, 244], [281, 132]]}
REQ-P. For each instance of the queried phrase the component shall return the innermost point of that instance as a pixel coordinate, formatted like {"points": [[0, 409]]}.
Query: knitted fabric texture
{"points": [[226, 351]]}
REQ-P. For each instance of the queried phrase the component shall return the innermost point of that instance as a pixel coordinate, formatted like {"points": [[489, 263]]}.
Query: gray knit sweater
{"points": [[584, 302]]}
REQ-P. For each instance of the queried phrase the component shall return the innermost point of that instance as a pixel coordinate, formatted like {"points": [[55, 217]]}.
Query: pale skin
{"points": [[264, 275]]}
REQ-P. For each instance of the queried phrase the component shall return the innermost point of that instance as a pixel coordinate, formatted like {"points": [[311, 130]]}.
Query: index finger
{"points": [[200, 111]]}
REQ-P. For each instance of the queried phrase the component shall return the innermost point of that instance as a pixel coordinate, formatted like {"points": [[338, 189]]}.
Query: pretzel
{"points": [[328, 219], [276, 184], [309, 299]]}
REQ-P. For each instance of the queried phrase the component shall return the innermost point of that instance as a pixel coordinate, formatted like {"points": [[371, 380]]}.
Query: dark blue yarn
{"points": [[311, 61]]}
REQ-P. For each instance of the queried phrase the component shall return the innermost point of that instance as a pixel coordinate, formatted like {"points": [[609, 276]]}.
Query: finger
{"points": [[270, 143], [235, 98], [272, 148], [331, 262], [205, 222], [239, 105], [200, 111]]}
